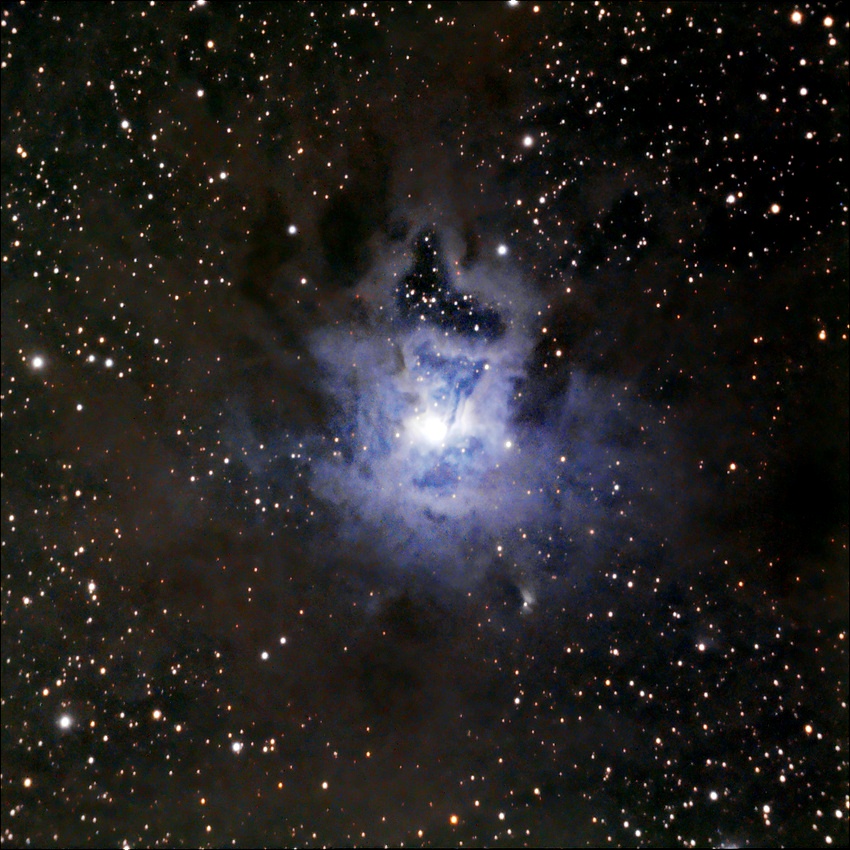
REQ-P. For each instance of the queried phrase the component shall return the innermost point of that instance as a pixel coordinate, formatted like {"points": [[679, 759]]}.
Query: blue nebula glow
{"points": [[431, 466]]}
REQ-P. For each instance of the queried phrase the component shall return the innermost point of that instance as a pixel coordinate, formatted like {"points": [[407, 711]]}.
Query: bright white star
{"points": [[431, 428]]}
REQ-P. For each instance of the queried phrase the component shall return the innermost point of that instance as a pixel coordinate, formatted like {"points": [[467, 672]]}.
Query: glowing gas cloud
{"points": [[431, 463]]}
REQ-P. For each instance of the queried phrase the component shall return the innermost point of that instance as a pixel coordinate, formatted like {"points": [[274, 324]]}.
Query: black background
{"points": [[188, 386]]}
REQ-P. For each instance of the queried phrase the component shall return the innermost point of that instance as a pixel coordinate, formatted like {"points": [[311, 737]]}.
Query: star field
{"points": [[424, 424]]}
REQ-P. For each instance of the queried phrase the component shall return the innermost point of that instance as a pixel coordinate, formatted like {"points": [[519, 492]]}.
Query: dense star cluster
{"points": [[426, 294], [424, 424]]}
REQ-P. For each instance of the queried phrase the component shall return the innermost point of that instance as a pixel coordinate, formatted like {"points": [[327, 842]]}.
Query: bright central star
{"points": [[431, 428]]}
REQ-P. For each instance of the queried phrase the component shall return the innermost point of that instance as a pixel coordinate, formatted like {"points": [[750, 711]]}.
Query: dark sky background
{"points": [[424, 424]]}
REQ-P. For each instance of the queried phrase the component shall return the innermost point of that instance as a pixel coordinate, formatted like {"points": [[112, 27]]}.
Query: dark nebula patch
{"points": [[426, 294]]}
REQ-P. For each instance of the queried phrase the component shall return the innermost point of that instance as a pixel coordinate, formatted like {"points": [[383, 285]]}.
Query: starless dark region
{"points": [[424, 424]]}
